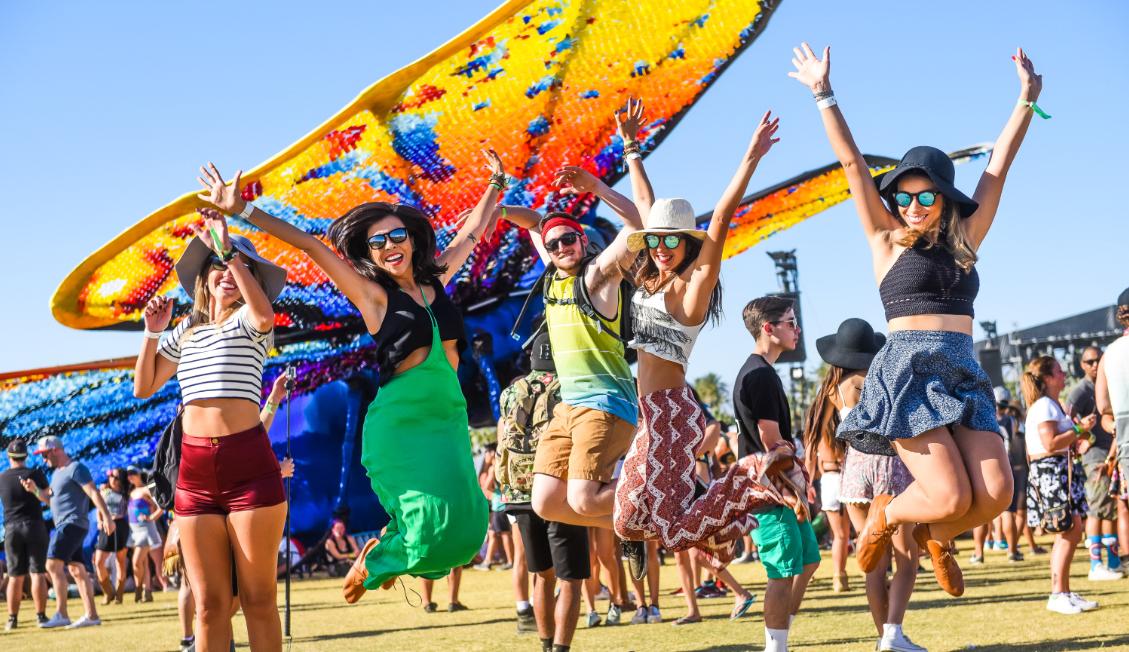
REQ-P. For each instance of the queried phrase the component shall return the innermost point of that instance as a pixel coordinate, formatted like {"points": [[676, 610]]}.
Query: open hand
{"points": [[1030, 83], [630, 121], [572, 180], [213, 220], [810, 70], [763, 137], [157, 314], [493, 161], [225, 197]]}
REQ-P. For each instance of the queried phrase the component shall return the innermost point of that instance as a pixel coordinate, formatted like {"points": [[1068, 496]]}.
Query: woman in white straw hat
{"points": [[678, 293], [230, 503]]}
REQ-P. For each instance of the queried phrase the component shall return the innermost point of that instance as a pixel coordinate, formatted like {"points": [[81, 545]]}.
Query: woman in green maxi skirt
{"points": [[416, 450]]}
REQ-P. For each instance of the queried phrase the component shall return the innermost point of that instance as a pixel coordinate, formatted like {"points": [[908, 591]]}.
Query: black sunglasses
{"points": [[567, 240], [925, 197], [380, 240], [1094, 361], [671, 241], [791, 322]]}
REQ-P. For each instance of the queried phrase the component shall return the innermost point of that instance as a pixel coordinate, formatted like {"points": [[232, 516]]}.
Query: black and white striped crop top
{"points": [[224, 361]]}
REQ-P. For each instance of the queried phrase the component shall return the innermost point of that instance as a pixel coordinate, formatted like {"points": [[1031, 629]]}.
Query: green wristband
{"points": [[1034, 107]]}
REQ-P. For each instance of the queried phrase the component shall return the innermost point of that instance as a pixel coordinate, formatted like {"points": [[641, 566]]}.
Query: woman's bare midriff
{"points": [[951, 323], [219, 417], [656, 374], [416, 358]]}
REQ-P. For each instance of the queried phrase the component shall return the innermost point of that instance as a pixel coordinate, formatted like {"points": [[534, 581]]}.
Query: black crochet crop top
{"points": [[928, 282], [407, 327]]}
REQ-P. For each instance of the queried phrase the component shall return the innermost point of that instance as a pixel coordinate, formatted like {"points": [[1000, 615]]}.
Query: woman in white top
{"points": [[1056, 478]]}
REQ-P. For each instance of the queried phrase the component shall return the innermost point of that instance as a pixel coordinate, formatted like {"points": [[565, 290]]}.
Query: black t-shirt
{"points": [[20, 504], [759, 394]]}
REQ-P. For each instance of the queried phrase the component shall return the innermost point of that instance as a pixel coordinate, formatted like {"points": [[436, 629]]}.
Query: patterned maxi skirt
{"points": [[656, 498]]}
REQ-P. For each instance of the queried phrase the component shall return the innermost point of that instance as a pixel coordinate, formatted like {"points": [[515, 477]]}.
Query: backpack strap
{"points": [[583, 300]]}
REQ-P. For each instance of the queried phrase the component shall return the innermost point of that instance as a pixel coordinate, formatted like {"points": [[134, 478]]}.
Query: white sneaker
{"points": [[1082, 603], [1061, 603], [640, 617], [895, 640], [603, 594], [1102, 572], [654, 617], [56, 621], [85, 621], [484, 566], [614, 613]]}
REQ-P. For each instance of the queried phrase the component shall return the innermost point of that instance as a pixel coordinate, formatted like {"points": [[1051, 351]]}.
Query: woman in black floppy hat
{"points": [[861, 476], [925, 398]]}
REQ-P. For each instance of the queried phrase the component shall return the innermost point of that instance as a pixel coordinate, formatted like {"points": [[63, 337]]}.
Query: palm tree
{"points": [[714, 392]]}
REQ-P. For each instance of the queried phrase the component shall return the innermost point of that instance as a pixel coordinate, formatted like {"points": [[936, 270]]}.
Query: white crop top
{"points": [[657, 331], [219, 362], [1043, 410]]}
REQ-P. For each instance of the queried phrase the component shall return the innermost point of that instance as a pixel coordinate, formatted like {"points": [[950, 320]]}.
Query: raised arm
{"points": [[364, 293], [991, 185], [704, 276], [528, 219], [610, 263], [480, 222], [628, 123], [152, 370], [816, 75], [259, 311]]}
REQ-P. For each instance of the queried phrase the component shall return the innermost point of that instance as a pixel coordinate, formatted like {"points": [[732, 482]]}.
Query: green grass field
{"points": [[1002, 609]]}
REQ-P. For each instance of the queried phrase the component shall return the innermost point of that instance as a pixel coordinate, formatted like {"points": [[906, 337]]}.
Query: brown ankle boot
{"points": [[107, 590], [138, 592], [119, 591], [148, 595], [840, 583], [945, 567], [870, 548], [355, 579]]}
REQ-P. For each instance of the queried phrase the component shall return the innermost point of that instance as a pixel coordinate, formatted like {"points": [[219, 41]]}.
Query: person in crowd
{"points": [[70, 488], [1020, 419], [554, 552], [1111, 393], [454, 581], [391, 270], [1015, 516], [926, 399], [598, 417], [25, 533], [647, 612], [114, 546], [849, 354], [499, 530], [230, 502], [341, 547], [601, 552], [1056, 477], [1101, 524], [144, 536]]}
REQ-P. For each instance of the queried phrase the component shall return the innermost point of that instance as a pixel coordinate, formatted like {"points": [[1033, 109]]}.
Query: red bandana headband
{"points": [[560, 221]]}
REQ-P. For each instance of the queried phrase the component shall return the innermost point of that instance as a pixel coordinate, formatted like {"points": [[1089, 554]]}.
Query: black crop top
{"points": [[928, 282], [407, 327]]}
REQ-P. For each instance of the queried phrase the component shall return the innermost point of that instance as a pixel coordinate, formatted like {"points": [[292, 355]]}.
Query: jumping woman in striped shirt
{"points": [[230, 503]]}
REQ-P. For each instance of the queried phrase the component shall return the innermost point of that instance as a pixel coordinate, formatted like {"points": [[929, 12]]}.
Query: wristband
{"points": [[248, 208], [1077, 429], [826, 103], [503, 211], [271, 407], [154, 336], [1034, 107], [229, 255], [633, 156]]}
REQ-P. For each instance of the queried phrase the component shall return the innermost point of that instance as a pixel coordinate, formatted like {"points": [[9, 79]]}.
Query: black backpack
{"points": [[583, 301], [166, 464]]}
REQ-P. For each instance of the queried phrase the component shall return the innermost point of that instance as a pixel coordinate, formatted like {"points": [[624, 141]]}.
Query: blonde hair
{"points": [[1034, 381], [948, 231], [201, 313]]}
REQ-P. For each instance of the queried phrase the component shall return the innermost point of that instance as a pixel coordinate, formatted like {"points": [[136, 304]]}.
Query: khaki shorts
{"points": [[582, 444]]}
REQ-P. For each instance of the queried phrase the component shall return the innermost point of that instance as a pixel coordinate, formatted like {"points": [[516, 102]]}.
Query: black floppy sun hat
{"points": [[852, 347], [938, 167]]}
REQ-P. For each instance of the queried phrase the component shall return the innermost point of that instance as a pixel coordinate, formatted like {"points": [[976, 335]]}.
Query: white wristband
{"points": [[153, 336], [247, 210], [826, 103], [633, 156]]}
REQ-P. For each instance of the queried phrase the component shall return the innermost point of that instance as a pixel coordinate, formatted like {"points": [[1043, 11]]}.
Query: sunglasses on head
{"points": [[380, 240], [567, 240], [671, 241], [925, 198]]}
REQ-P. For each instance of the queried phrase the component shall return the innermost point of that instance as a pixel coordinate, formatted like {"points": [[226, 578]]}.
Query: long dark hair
{"points": [[647, 276], [349, 235], [124, 486], [823, 419]]}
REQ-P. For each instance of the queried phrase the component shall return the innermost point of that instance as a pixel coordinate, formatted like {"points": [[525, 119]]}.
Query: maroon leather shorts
{"points": [[220, 475]]}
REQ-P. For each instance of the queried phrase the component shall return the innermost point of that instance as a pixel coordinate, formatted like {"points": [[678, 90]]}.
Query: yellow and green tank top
{"points": [[589, 361]]}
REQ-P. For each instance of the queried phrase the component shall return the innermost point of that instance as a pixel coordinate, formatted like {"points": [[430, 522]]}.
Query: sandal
{"points": [[740, 609], [685, 620]]}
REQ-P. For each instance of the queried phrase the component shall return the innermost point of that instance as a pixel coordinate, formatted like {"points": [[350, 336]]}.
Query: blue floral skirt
{"points": [[918, 381]]}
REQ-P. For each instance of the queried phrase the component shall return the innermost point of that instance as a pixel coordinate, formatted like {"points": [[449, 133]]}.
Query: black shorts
{"points": [[25, 547], [499, 523], [549, 545], [117, 541], [1019, 491]]}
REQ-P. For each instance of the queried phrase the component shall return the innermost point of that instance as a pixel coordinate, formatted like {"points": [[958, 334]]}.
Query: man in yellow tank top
{"points": [[593, 426]]}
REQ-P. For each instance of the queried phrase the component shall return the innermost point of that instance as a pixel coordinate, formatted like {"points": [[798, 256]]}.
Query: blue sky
{"points": [[109, 107]]}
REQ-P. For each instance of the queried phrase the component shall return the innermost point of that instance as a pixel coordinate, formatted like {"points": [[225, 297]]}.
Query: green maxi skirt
{"points": [[416, 450]]}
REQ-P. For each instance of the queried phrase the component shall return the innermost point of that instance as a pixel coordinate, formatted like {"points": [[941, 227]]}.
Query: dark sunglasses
{"points": [[671, 241], [925, 197], [218, 265], [1094, 361], [791, 322], [567, 240], [380, 240]]}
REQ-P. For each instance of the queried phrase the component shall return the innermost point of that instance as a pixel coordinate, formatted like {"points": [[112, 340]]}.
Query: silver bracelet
{"points": [[826, 103], [154, 336], [247, 210]]}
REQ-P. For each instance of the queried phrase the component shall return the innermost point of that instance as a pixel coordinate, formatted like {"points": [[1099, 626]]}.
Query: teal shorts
{"points": [[784, 544]]}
